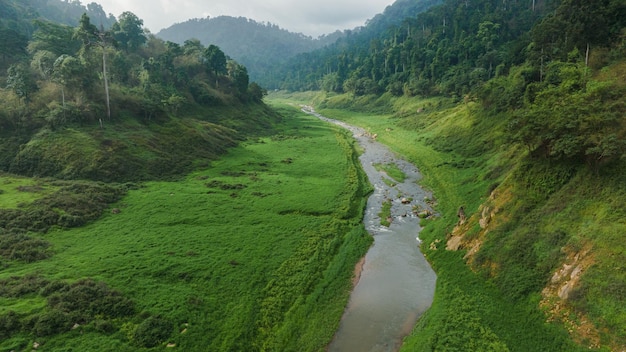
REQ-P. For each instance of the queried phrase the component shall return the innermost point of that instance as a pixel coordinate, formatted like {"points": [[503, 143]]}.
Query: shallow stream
{"points": [[396, 283]]}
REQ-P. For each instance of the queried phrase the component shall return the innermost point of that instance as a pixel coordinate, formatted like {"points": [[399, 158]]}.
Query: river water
{"points": [[396, 284]]}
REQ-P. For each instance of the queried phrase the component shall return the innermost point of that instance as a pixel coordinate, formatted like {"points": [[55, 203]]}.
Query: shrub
{"points": [[17, 286], [23, 248], [152, 331], [9, 324], [87, 298], [51, 322]]}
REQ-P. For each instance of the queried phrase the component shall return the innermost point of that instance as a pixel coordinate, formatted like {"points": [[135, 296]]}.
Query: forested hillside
{"points": [[71, 82], [18, 15], [261, 47], [524, 109]]}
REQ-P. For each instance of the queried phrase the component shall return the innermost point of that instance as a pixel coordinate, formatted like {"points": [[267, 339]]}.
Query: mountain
{"points": [[258, 46]]}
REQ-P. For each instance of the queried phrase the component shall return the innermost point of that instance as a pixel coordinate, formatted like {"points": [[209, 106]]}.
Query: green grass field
{"points": [[255, 252]]}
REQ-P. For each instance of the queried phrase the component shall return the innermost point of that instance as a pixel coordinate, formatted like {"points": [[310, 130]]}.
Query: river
{"points": [[396, 283]]}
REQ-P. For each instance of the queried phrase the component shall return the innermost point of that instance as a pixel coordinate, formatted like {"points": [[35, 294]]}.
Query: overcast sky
{"points": [[311, 17]]}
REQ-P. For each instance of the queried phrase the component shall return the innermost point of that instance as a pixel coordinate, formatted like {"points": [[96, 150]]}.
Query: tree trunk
{"points": [[106, 81], [63, 100]]}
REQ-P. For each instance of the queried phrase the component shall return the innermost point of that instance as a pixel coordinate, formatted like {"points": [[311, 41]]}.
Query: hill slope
{"points": [[258, 46]]}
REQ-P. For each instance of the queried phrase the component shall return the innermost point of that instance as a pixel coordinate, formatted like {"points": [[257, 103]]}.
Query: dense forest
{"points": [[509, 55], [454, 48]]}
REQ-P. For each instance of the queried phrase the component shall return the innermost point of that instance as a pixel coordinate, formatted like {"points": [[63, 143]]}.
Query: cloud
{"points": [[308, 17]]}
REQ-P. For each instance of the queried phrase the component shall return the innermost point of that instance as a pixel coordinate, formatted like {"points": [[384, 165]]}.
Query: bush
{"points": [[87, 298], [9, 324], [17, 286], [51, 323], [152, 331], [23, 248]]}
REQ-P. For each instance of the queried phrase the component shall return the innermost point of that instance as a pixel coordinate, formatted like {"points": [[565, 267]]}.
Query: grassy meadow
{"points": [[255, 252], [547, 215]]}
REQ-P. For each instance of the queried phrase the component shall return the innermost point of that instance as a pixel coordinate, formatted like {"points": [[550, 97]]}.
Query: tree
{"points": [[67, 73], [128, 32], [43, 63], [90, 36], [56, 38], [21, 81], [12, 44], [239, 75], [215, 61], [570, 117], [256, 92]]}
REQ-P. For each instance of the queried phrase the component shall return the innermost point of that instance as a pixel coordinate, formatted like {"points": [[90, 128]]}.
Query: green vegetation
{"points": [[385, 213], [512, 110], [261, 47], [163, 104], [549, 211], [392, 170], [515, 112], [256, 252]]}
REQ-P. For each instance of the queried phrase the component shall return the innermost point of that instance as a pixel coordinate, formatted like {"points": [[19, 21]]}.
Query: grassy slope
{"points": [[554, 210], [131, 147], [255, 252]]}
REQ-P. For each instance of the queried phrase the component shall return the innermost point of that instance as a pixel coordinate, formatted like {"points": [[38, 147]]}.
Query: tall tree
{"points": [[239, 75], [66, 72], [215, 61], [91, 36]]}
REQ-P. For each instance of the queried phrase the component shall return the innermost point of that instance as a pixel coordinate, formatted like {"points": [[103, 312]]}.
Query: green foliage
{"points": [[263, 257], [51, 323], [215, 60], [23, 248], [152, 332], [393, 171], [50, 118], [385, 213], [537, 180], [81, 302], [86, 299], [128, 31], [72, 204], [9, 324], [16, 286], [21, 81], [572, 117], [550, 206], [261, 47], [462, 329], [450, 49]]}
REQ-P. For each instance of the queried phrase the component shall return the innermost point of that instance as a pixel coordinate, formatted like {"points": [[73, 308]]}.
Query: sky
{"points": [[310, 17]]}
